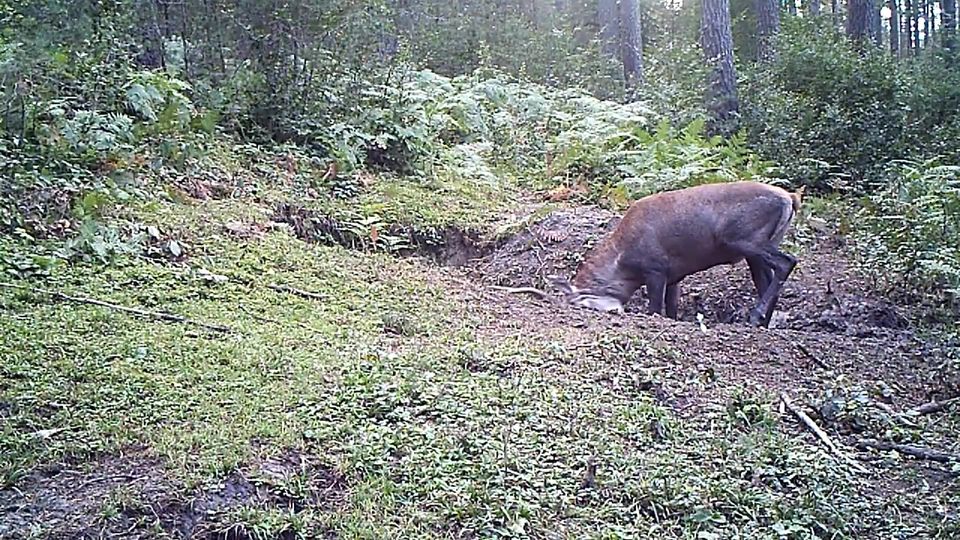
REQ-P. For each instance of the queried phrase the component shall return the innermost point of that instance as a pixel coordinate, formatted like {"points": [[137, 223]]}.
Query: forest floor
{"points": [[359, 394]]}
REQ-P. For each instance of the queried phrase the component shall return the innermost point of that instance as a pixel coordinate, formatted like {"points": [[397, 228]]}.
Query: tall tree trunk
{"points": [[768, 25], [948, 23], [814, 8], [609, 26], [791, 6], [915, 20], [906, 28], [631, 42], [835, 12], [876, 24], [927, 34], [858, 19], [894, 28], [717, 41]]}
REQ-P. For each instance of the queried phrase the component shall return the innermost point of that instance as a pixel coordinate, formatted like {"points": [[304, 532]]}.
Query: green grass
{"points": [[440, 428], [437, 430]]}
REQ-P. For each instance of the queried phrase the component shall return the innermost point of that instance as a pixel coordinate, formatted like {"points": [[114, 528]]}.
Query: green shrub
{"points": [[835, 117], [910, 227]]}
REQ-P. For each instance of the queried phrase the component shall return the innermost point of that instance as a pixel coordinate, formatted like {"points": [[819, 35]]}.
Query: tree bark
{"points": [[721, 92], [906, 30], [609, 26], [915, 21], [948, 21], [894, 28], [631, 42], [792, 7], [876, 24], [858, 19], [814, 8], [768, 25]]}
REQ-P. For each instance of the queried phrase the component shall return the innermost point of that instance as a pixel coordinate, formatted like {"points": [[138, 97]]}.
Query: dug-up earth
{"points": [[361, 395]]}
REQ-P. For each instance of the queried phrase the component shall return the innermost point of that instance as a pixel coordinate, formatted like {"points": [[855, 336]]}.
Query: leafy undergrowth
{"points": [[360, 395]]}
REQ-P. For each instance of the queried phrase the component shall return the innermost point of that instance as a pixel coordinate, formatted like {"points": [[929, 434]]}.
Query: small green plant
{"points": [[910, 227]]}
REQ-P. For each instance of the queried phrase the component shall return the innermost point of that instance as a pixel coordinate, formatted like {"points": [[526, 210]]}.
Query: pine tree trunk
{"points": [[717, 41], [768, 25], [948, 21], [894, 28], [814, 8], [609, 26], [876, 24], [791, 7], [631, 42], [858, 19], [915, 21]]}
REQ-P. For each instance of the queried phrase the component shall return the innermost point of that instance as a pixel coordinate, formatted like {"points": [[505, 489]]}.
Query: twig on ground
{"points": [[297, 292], [894, 415], [806, 352], [262, 318], [820, 433], [161, 315], [522, 290], [910, 450], [109, 478], [47, 433], [933, 406]]}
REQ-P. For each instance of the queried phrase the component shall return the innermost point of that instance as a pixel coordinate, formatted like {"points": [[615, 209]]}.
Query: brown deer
{"points": [[665, 237]]}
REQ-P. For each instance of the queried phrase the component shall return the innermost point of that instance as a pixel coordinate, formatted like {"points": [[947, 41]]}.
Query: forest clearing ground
{"points": [[411, 399]]}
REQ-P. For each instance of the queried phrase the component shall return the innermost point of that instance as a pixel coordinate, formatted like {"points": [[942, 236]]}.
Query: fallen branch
{"points": [[894, 415], [161, 315], [522, 290], [297, 292], [910, 450], [262, 318], [816, 359], [820, 433], [933, 406]]}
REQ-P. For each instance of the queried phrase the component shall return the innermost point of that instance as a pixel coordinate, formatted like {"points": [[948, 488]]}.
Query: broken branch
{"points": [[522, 290], [910, 450], [161, 315], [933, 406], [816, 359], [807, 421], [297, 292]]}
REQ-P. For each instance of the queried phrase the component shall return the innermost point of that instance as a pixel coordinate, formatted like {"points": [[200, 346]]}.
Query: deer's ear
{"points": [[563, 285]]}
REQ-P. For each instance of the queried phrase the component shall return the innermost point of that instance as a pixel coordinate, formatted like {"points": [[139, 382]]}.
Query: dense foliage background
{"points": [[101, 96]]}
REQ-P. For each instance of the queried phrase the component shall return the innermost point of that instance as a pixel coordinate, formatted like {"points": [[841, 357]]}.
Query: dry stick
{"points": [[820, 433], [894, 414], [297, 292], [162, 315], [261, 318], [933, 406], [521, 290], [910, 450], [816, 359]]}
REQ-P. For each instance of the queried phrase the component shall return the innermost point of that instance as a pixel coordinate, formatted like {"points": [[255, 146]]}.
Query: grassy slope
{"points": [[439, 429]]}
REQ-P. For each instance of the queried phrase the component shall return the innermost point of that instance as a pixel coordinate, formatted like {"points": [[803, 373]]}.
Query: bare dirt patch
{"points": [[449, 246], [132, 496], [829, 324], [823, 294]]}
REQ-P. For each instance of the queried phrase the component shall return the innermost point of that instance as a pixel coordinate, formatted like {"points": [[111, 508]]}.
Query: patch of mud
{"points": [[555, 245], [130, 496], [448, 246]]}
